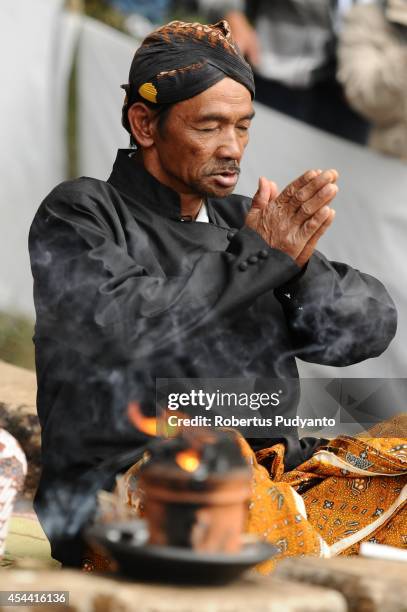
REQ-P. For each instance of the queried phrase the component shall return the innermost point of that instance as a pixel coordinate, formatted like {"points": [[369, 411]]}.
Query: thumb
{"points": [[262, 196], [273, 190]]}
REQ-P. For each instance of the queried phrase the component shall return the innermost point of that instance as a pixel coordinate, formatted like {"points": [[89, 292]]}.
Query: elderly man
{"points": [[161, 273]]}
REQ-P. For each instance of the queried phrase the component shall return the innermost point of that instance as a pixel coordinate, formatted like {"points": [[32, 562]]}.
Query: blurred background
{"points": [[331, 79]]}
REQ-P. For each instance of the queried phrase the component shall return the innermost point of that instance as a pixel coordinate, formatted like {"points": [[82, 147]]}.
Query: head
{"points": [[197, 146], [191, 121]]}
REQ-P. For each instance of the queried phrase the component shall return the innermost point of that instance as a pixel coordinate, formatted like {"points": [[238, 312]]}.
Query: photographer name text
{"points": [[234, 421]]}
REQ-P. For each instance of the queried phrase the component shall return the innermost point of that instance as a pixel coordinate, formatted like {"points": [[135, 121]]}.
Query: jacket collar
{"points": [[131, 178]]}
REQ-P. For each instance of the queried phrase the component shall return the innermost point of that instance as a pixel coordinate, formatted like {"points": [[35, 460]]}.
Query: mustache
{"points": [[233, 167]]}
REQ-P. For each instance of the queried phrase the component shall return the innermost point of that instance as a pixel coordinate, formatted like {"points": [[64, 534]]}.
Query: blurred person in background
{"points": [[372, 67], [154, 10], [292, 48], [142, 16]]}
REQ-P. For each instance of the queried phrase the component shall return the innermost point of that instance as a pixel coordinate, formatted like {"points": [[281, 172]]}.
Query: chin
{"points": [[214, 191], [222, 193]]}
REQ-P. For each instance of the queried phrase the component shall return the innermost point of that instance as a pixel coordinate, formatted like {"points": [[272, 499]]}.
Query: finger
{"points": [[312, 242], [302, 196], [321, 198], [287, 193], [312, 224], [262, 196], [334, 171], [325, 178]]}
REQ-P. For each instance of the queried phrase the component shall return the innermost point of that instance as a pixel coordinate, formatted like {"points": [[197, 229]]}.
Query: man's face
{"points": [[200, 147]]}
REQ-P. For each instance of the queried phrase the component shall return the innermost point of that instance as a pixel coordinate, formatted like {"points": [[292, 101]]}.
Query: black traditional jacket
{"points": [[126, 292]]}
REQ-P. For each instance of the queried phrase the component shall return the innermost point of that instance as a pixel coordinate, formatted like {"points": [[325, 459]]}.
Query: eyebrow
{"points": [[220, 117]]}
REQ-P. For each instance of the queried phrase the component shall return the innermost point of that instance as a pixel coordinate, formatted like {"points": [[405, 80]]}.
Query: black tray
{"points": [[127, 544]]}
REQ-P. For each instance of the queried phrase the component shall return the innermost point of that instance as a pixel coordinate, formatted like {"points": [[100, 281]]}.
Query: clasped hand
{"points": [[294, 220]]}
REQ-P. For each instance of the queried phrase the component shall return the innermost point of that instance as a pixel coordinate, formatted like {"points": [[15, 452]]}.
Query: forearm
{"points": [[337, 315]]}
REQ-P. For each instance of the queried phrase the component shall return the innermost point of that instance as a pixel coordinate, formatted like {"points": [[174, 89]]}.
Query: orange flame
{"points": [[151, 425], [188, 460], [147, 425]]}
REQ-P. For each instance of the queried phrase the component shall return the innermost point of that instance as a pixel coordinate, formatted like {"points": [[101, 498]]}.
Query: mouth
{"points": [[227, 178]]}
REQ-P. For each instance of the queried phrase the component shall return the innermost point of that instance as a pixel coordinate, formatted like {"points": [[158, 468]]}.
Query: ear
{"points": [[141, 120]]}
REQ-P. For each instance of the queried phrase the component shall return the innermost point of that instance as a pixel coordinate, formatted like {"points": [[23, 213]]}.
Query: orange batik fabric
{"points": [[276, 511], [351, 491], [362, 496]]}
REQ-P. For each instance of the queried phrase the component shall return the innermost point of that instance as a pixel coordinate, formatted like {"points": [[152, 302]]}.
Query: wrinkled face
{"points": [[202, 143]]}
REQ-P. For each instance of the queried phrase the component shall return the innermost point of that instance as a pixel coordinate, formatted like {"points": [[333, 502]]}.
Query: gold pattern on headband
{"points": [[148, 92]]}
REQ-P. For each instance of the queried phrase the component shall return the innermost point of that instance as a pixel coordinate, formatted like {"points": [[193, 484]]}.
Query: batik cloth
{"points": [[350, 491], [13, 468]]}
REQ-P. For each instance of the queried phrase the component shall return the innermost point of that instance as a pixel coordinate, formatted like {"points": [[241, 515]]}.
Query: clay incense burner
{"points": [[195, 491]]}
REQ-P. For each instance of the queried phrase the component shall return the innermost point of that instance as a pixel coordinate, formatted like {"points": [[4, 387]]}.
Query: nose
{"points": [[231, 146]]}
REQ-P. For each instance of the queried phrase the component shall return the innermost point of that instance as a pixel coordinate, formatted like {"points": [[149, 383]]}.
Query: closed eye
{"points": [[209, 129]]}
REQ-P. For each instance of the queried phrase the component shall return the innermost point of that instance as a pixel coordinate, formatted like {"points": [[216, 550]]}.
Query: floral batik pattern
{"points": [[13, 468]]}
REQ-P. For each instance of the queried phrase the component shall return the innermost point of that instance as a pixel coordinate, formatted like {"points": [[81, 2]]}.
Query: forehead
{"points": [[227, 97]]}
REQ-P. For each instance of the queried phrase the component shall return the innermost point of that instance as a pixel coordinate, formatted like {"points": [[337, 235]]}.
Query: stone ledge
{"points": [[371, 585], [250, 594]]}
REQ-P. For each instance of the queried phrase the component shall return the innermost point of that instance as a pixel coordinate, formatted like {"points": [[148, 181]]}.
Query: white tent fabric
{"points": [[104, 58], [36, 42]]}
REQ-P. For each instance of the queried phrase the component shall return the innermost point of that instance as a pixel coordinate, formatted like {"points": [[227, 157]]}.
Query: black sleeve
{"points": [[93, 294], [336, 315]]}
